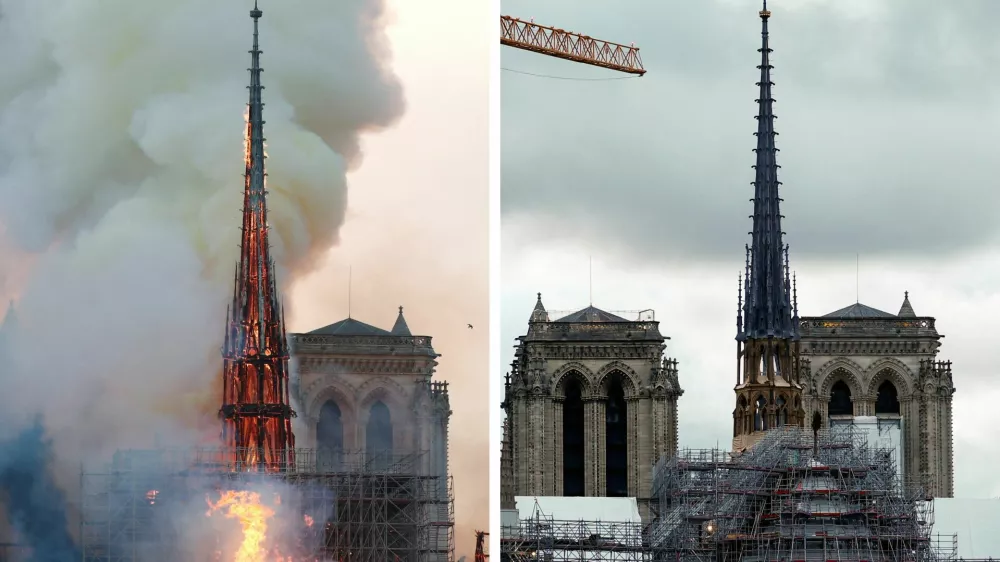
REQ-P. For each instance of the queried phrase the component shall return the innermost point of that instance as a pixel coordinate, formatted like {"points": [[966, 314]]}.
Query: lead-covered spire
{"points": [[767, 308]]}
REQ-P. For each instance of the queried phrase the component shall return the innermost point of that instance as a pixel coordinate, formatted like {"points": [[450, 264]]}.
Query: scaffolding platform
{"points": [[350, 505], [543, 537], [791, 499]]}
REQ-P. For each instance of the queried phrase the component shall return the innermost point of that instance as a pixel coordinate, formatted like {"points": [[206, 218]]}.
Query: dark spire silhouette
{"points": [[767, 309]]}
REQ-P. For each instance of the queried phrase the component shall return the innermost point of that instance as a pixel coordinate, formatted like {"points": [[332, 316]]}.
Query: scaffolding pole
{"points": [[780, 502], [351, 505]]}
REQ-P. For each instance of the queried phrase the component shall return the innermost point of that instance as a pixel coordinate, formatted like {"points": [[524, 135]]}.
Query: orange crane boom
{"points": [[569, 46]]}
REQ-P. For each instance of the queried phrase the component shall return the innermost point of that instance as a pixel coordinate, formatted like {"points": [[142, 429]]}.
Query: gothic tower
{"points": [[768, 392], [255, 405], [864, 366], [591, 405]]}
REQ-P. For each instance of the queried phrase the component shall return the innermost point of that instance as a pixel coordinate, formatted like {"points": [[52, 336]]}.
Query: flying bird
{"points": [[470, 326]]}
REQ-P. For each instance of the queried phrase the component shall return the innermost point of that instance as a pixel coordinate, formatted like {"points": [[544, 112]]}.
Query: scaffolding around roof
{"points": [[377, 507], [542, 537], [781, 501]]}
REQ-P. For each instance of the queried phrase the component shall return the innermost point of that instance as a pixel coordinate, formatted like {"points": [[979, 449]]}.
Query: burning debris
{"points": [[252, 515]]}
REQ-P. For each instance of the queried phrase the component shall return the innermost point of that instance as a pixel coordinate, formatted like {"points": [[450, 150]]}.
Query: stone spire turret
{"points": [[539, 314], [400, 328], [906, 311]]}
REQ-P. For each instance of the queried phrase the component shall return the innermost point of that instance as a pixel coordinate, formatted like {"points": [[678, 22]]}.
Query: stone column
{"points": [[637, 451], [555, 447]]}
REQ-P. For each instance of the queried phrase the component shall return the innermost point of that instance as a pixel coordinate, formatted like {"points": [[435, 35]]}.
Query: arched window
{"points": [[760, 414], [573, 450], [616, 440], [379, 435], [329, 436], [887, 401], [740, 423], [782, 411], [840, 400]]}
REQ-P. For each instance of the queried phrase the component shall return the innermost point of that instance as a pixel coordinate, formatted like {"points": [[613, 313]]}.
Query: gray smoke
{"points": [[35, 506], [121, 155]]}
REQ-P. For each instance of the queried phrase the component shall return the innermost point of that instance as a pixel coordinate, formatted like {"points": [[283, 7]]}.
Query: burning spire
{"points": [[255, 405]]}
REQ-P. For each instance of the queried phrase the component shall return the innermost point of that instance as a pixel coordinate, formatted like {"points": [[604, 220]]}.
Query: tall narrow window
{"points": [[573, 451], [379, 435], [329, 436], [760, 414], [782, 407], [840, 400], [742, 416], [616, 443], [887, 401]]}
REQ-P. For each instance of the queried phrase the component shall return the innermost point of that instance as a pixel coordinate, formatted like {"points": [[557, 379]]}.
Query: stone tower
{"points": [[368, 393], [860, 361], [768, 390], [591, 404]]}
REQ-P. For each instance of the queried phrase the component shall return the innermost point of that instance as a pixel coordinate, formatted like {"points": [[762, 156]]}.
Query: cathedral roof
{"points": [[591, 314], [350, 327], [858, 310]]}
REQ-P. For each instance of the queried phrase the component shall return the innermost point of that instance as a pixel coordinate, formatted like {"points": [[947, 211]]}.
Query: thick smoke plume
{"points": [[121, 156], [36, 507]]}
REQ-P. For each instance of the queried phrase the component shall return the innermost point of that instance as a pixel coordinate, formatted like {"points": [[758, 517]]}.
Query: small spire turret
{"points": [[400, 328], [906, 311], [539, 314]]}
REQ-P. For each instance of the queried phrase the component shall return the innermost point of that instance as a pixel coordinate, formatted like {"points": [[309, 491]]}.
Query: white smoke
{"points": [[121, 161]]}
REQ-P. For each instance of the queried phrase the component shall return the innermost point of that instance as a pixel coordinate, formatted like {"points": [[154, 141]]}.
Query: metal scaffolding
{"points": [[790, 498], [349, 505], [544, 538]]}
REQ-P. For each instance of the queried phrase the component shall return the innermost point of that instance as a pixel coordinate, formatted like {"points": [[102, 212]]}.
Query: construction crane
{"points": [[482, 555], [569, 46]]}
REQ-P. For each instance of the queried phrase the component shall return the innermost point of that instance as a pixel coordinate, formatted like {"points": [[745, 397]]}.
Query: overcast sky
{"points": [[888, 123]]}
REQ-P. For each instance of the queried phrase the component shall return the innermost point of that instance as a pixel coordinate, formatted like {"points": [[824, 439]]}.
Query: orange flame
{"points": [[252, 516]]}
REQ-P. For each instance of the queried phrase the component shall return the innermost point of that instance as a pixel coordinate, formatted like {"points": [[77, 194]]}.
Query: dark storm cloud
{"points": [[889, 124]]}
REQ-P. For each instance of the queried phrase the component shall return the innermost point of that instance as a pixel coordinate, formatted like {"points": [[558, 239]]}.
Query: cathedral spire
{"points": [[255, 410], [768, 306], [768, 390]]}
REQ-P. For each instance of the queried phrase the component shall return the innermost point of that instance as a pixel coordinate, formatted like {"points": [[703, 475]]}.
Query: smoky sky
{"points": [[888, 123]]}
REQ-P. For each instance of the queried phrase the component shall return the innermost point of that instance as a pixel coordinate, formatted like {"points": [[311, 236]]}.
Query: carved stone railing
{"points": [[595, 330], [824, 327], [416, 345]]}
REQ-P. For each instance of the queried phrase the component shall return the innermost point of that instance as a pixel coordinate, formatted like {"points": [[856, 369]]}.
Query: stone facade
{"points": [[348, 371], [860, 361], [369, 391], [591, 405]]}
